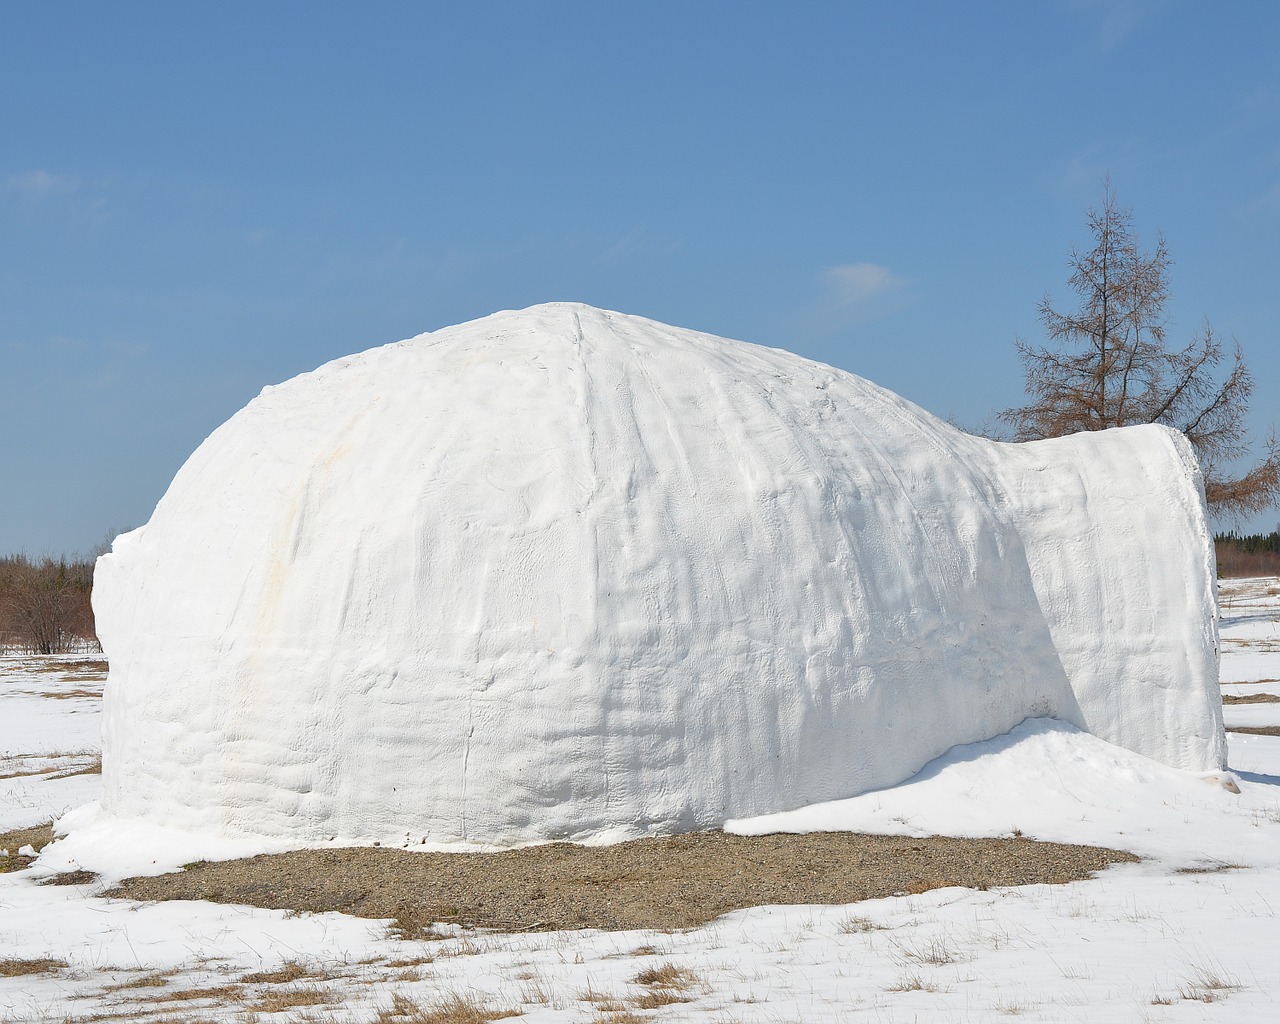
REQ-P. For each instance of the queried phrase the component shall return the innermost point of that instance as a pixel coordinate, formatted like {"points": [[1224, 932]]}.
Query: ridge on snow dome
{"points": [[567, 573]]}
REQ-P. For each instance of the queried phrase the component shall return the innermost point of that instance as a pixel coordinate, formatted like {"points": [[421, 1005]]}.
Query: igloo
{"points": [[564, 573]]}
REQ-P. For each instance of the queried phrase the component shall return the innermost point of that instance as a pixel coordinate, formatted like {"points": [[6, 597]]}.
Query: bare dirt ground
{"points": [[669, 883]]}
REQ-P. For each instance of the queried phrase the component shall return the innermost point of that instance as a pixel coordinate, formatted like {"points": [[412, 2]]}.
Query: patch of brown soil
{"points": [[1252, 698], [673, 882], [1256, 730]]}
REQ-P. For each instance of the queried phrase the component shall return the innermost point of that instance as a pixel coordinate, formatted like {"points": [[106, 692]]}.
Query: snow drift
{"points": [[566, 573]]}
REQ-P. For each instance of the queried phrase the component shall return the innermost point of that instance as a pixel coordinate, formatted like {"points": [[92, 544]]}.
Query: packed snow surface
{"points": [[567, 573]]}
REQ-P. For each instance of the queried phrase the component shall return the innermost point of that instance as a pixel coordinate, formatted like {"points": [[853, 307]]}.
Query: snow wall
{"points": [[567, 573]]}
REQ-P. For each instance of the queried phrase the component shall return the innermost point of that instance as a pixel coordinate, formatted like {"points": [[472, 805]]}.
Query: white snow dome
{"points": [[564, 573]]}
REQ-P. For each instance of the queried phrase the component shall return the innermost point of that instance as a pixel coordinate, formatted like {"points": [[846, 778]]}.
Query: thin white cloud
{"points": [[854, 283], [1083, 173], [38, 184], [1117, 19]]}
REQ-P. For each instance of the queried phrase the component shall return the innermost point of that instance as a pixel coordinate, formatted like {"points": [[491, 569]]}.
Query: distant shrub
{"points": [[44, 605]]}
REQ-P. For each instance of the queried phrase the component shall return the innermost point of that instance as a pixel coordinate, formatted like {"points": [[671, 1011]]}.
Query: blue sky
{"points": [[199, 201]]}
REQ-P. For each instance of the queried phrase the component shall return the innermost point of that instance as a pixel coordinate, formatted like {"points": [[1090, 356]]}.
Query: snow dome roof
{"points": [[568, 573]]}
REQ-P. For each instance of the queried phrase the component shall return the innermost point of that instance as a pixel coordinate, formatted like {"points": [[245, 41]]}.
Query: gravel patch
{"points": [[666, 883], [37, 837]]}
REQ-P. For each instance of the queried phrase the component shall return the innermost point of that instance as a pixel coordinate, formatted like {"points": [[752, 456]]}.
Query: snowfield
{"points": [[1188, 934]]}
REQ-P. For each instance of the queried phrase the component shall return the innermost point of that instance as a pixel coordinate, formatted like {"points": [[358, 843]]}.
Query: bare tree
{"points": [[1108, 365], [44, 605]]}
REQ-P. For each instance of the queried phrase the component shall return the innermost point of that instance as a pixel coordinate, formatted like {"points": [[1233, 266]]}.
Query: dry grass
{"points": [[94, 767], [623, 1016], [1211, 869], [215, 993], [1255, 730], [289, 971], [23, 773], [666, 984], [146, 981], [1208, 984], [456, 1009], [912, 983], [935, 952], [604, 1002], [15, 968], [69, 694], [71, 666], [277, 1000], [417, 961], [413, 923], [134, 1016], [658, 997], [855, 925], [666, 975], [1252, 698]]}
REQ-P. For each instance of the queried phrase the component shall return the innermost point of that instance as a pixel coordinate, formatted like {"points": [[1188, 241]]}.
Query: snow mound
{"points": [[565, 573], [1049, 780]]}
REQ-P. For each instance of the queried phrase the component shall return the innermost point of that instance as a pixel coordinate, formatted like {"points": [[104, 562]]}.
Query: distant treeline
{"points": [[44, 604], [1254, 554]]}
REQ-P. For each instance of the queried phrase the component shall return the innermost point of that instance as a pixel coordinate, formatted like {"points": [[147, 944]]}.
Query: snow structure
{"points": [[568, 573]]}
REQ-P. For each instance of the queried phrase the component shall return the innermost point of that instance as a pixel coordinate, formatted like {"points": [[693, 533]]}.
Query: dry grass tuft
{"points": [[657, 997], [912, 983], [215, 993], [855, 925], [666, 975], [604, 1002], [1255, 730], [620, 1017], [289, 971], [1211, 869], [94, 767], [146, 981], [415, 924], [457, 1009], [15, 968], [1208, 985], [936, 952], [1251, 698], [277, 1000], [412, 961], [415, 961]]}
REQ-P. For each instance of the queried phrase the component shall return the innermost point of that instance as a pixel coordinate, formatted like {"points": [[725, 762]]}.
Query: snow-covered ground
{"points": [[1191, 933]]}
